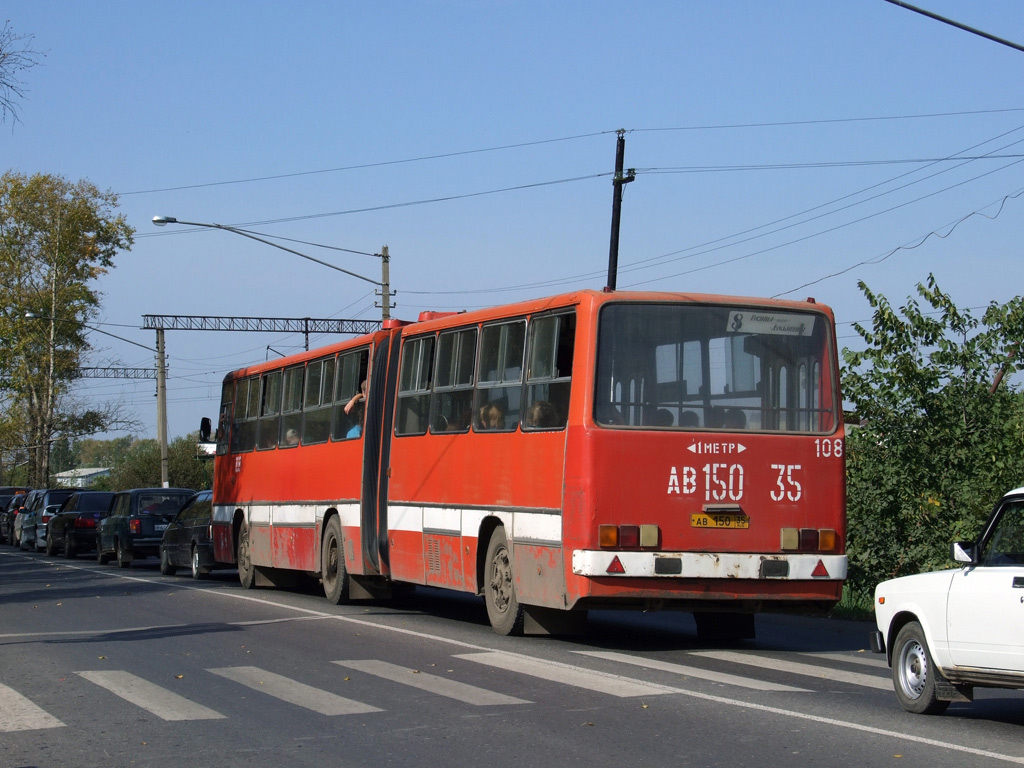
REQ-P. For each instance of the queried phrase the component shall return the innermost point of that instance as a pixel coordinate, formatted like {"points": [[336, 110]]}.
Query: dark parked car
{"points": [[188, 540], [135, 523], [11, 500], [73, 528], [36, 514]]}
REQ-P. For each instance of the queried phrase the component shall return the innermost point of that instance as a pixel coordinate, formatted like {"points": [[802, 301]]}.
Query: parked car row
{"points": [[173, 524]]}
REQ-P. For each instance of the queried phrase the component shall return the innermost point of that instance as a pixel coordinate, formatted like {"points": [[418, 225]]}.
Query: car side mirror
{"points": [[962, 552]]}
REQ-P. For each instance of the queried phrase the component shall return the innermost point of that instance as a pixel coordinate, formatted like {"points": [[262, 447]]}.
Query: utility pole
{"points": [[161, 406], [618, 182], [385, 284]]}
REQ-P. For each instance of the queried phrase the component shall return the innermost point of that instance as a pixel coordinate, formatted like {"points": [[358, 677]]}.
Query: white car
{"points": [[946, 632]]}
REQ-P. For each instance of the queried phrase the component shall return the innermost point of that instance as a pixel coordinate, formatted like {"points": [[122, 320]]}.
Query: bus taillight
{"points": [[628, 536], [809, 540]]}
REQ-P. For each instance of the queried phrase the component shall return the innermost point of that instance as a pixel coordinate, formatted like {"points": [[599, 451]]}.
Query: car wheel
{"points": [[503, 608], [124, 559], [246, 570], [332, 564], [913, 674], [69, 550], [51, 551], [166, 567], [197, 570], [101, 557]]}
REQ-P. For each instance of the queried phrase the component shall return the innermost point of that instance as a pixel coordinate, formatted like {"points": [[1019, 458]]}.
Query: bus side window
{"points": [[270, 410], [316, 413], [500, 377], [291, 409], [353, 368], [243, 431], [224, 423], [414, 386], [549, 371], [452, 401]]}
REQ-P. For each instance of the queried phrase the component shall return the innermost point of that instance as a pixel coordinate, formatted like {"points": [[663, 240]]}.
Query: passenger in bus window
{"points": [[291, 437], [689, 419], [542, 415], [491, 417], [735, 419], [354, 409]]}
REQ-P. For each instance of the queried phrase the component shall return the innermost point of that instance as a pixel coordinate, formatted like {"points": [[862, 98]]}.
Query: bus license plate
{"points": [[719, 520]]}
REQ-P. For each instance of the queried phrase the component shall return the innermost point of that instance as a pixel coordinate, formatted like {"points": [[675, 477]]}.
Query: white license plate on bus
{"points": [[719, 520]]}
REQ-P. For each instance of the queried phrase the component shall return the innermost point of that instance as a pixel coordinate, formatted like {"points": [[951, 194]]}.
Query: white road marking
{"points": [[704, 674], [453, 689], [568, 674], [19, 714], [294, 692], [151, 697], [827, 674]]}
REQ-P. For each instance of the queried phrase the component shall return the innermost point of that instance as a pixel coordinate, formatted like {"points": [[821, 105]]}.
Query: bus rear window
{"points": [[673, 366]]}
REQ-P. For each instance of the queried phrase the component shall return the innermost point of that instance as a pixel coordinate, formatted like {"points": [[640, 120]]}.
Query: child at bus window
{"points": [[354, 409], [542, 415], [291, 437], [491, 417], [735, 419], [689, 419]]}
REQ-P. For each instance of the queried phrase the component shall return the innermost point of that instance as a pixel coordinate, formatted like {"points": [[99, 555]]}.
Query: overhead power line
{"points": [[957, 24]]}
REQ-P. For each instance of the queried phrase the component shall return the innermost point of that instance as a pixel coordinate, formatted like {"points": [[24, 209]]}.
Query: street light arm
{"points": [[163, 220]]}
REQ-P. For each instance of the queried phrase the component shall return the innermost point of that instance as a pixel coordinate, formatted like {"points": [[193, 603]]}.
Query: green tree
{"points": [[140, 467], [938, 442], [57, 238]]}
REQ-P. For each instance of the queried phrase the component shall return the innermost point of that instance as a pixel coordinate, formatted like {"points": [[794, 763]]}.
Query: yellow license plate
{"points": [[719, 520]]}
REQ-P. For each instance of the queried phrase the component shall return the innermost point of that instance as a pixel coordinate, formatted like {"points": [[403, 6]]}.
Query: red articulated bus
{"points": [[588, 450]]}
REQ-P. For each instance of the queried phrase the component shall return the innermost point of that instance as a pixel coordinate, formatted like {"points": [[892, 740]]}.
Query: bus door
{"points": [[373, 509]]}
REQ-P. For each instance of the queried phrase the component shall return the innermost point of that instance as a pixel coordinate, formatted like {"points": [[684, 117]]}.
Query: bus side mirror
{"points": [[205, 429]]}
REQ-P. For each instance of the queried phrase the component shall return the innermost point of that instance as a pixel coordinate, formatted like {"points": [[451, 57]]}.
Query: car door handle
{"points": [[1018, 582]]}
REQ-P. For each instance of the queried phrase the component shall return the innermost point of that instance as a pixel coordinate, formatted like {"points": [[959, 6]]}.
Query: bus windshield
{"points": [[673, 366]]}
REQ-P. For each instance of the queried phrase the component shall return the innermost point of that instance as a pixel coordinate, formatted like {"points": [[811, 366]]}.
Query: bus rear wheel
{"points": [[246, 570], [503, 608], [332, 564]]}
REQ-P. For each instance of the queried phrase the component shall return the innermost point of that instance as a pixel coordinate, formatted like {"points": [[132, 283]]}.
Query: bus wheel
{"points": [[246, 570], [503, 608], [332, 564]]}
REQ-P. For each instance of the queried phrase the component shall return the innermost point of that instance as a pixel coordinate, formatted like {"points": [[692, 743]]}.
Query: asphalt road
{"points": [[101, 666]]}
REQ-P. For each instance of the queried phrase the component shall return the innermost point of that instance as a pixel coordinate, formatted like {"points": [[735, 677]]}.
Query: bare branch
{"points": [[17, 56]]}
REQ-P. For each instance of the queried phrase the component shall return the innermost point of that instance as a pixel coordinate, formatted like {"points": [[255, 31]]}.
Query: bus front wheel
{"points": [[503, 608], [332, 564], [246, 570]]}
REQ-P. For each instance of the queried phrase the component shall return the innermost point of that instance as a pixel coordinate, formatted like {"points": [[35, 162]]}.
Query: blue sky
{"points": [[775, 144]]}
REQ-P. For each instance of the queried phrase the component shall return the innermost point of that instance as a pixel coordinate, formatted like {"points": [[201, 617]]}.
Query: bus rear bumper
{"points": [[708, 565]]}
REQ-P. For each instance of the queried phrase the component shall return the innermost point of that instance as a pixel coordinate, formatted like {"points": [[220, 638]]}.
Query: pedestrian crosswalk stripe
{"points": [[19, 714], [294, 692], [568, 674], [829, 674], [453, 689], [151, 697], [688, 671]]}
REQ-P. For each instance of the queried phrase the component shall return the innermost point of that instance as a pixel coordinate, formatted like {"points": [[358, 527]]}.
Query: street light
{"points": [[384, 283], [161, 386]]}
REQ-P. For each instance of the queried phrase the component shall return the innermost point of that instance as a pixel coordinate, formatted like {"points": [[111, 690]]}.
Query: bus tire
{"points": [[913, 673], [503, 609], [332, 564], [246, 570]]}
